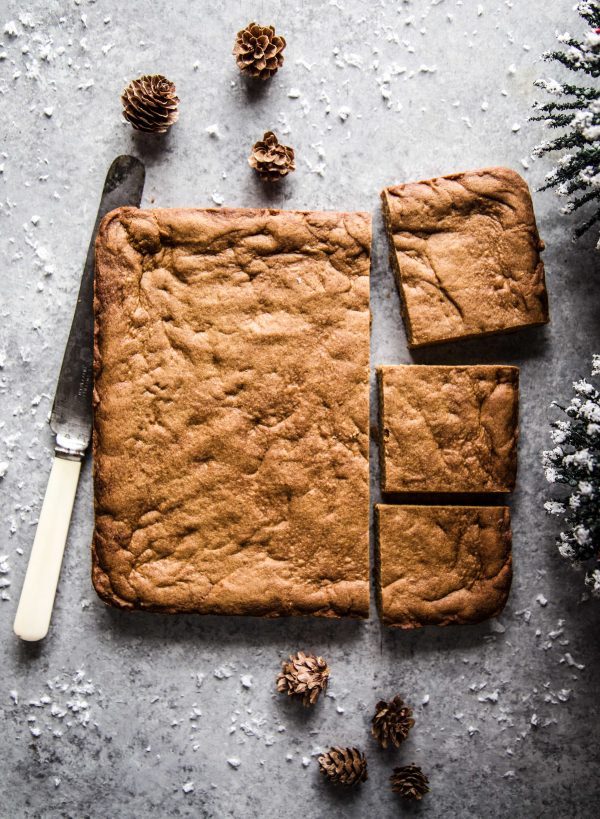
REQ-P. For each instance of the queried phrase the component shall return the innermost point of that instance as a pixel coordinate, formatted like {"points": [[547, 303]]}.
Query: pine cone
{"points": [[344, 766], [392, 722], [258, 50], [150, 104], [304, 676], [410, 782], [270, 159]]}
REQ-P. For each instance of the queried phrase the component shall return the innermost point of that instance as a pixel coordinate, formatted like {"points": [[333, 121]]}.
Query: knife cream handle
{"points": [[41, 579]]}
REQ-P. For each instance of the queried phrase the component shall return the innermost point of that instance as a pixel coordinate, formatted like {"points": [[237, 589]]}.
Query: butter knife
{"points": [[71, 422]]}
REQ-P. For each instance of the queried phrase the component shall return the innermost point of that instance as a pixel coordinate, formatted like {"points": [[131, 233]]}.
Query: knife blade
{"points": [[71, 416], [71, 422]]}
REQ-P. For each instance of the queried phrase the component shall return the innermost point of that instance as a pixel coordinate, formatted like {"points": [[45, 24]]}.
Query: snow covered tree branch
{"points": [[576, 113], [574, 465]]}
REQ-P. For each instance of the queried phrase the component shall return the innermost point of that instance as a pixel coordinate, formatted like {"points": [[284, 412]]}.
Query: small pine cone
{"points": [[270, 159], [410, 782], [304, 676], [344, 766], [150, 104], [258, 51], [392, 722]]}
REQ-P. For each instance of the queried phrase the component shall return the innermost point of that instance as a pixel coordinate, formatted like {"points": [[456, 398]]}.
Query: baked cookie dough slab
{"points": [[448, 429], [231, 412], [466, 254], [439, 565]]}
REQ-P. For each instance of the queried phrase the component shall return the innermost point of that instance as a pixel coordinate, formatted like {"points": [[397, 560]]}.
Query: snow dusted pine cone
{"points": [[258, 51], [304, 676], [344, 766], [150, 104], [270, 159], [392, 722], [410, 782]]}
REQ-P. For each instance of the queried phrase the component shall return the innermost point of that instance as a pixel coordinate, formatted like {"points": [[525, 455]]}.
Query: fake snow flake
{"points": [[234, 762], [425, 699], [11, 29], [223, 672], [246, 680], [218, 198], [3, 468], [568, 659], [305, 762], [516, 127], [187, 787], [344, 113], [213, 131], [492, 697], [541, 600], [293, 93]]}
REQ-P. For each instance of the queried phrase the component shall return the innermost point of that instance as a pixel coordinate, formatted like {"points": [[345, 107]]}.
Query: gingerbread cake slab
{"points": [[465, 250], [442, 565], [231, 412], [448, 428]]}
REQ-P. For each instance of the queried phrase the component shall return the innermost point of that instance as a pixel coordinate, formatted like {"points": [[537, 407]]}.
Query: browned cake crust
{"points": [[448, 429], [466, 254], [231, 412], [440, 565]]}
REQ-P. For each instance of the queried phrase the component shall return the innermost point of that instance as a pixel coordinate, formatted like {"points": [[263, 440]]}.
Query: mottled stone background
{"points": [[113, 714]]}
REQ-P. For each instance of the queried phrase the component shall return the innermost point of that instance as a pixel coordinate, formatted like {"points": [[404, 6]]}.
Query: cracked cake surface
{"points": [[448, 428], [466, 255], [231, 411], [440, 565]]}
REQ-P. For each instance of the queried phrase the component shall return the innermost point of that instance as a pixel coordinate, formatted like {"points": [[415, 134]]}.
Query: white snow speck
{"points": [[234, 762], [213, 131], [218, 198], [425, 699], [516, 127], [35, 732], [3, 468], [305, 762], [344, 113], [11, 29], [541, 600], [48, 112], [534, 720], [293, 93], [246, 680], [568, 659], [14, 695], [187, 787]]}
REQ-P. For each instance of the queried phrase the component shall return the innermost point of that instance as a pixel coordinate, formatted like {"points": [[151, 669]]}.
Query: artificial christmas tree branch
{"points": [[578, 169]]}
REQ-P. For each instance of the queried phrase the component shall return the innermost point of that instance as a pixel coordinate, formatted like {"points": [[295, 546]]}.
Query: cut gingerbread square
{"points": [[466, 255], [442, 565], [448, 429]]}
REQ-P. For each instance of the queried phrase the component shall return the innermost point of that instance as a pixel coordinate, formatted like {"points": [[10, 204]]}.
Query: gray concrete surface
{"points": [[113, 714]]}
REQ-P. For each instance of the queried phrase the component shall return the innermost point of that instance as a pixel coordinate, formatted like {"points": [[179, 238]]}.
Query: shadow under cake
{"points": [[465, 250], [441, 565], [231, 412], [448, 428]]}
